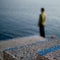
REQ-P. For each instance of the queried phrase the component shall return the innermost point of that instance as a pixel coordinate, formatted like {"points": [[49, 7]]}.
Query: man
{"points": [[42, 21]]}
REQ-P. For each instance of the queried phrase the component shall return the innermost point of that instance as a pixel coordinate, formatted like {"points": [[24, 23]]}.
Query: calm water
{"points": [[19, 18]]}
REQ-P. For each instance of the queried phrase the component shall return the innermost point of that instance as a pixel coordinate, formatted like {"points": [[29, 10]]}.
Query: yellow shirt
{"points": [[42, 19]]}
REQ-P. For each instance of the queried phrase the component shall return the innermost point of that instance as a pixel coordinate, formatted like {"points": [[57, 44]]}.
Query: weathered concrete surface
{"points": [[18, 42], [29, 51], [54, 55], [39, 57], [26, 48], [7, 56]]}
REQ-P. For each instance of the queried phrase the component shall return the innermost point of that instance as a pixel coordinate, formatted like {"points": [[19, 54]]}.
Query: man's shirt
{"points": [[42, 19]]}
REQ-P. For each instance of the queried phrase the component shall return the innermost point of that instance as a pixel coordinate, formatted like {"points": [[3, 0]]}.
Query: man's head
{"points": [[42, 9]]}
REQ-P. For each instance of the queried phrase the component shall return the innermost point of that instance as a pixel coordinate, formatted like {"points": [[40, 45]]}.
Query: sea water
{"points": [[19, 18]]}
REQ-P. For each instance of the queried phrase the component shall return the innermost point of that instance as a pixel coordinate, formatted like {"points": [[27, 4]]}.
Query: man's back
{"points": [[42, 19]]}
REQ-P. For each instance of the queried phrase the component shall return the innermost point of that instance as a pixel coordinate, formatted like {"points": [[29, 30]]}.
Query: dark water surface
{"points": [[19, 18]]}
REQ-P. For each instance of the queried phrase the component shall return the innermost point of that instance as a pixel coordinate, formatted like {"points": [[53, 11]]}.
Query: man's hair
{"points": [[42, 9]]}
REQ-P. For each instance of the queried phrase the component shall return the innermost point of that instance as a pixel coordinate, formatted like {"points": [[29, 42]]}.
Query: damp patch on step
{"points": [[48, 50]]}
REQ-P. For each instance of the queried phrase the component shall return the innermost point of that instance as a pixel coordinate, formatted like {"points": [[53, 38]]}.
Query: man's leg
{"points": [[42, 31]]}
